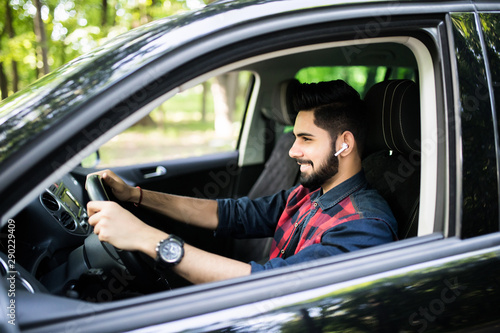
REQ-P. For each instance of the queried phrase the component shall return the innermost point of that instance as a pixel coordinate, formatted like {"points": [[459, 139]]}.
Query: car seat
{"points": [[280, 171], [392, 150]]}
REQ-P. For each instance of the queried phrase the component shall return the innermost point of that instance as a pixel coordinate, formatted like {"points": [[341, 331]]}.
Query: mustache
{"points": [[299, 161]]}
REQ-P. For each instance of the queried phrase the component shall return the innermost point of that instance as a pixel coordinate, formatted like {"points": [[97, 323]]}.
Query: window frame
{"points": [[428, 75]]}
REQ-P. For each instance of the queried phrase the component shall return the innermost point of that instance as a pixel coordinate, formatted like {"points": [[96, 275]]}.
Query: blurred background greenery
{"points": [[37, 36]]}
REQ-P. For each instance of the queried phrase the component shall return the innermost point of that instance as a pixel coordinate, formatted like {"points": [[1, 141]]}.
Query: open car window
{"points": [[154, 138], [201, 120]]}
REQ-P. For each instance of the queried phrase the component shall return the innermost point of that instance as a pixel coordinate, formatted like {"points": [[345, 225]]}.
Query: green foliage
{"points": [[72, 28], [360, 78]]}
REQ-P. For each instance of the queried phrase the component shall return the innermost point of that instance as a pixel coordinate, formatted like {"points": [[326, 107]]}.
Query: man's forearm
{"points": [[197, 266], [199, 212], [122, 229]]}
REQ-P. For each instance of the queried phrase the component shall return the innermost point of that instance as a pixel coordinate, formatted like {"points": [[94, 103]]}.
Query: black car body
{"points": [[443, 275]]}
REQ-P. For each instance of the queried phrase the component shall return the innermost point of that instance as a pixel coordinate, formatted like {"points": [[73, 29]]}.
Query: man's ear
{"points": [[345, 144]]}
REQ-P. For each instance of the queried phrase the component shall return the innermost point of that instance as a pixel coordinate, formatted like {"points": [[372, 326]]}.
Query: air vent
{"points": [[67, 221], [49, 202]]}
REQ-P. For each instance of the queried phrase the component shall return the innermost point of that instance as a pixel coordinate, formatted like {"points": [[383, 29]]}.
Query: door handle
{"points": [[160, 171]]}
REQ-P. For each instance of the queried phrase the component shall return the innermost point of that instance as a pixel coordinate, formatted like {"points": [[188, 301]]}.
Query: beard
{"points": [[325, 171]]}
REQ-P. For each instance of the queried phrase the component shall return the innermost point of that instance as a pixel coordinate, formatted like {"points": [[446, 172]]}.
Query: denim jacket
{"points": [[349, 217]]}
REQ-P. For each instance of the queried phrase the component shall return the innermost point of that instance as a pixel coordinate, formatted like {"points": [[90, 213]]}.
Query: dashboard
{"points": [[54, 249], [65, 208]]}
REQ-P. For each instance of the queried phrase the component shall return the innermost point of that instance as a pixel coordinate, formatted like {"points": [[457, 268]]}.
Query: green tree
{"points": [[40, 35]]}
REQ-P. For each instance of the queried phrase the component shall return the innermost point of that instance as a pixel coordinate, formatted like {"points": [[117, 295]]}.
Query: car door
{"points": [[444, 281], [443, 285]]}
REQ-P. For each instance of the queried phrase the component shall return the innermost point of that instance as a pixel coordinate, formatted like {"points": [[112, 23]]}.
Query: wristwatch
{"points": [[169, 251]]}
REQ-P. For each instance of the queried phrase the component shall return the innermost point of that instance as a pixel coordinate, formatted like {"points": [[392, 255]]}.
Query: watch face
{"points": [[171, 251]]}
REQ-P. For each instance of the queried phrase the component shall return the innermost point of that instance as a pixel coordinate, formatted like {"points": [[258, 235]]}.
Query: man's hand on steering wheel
{"points": [[117, 226], [121, 190], [112, 223]]}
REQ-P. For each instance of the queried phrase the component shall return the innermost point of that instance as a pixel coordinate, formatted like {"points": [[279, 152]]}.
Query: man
{"points": [[333, 211]]}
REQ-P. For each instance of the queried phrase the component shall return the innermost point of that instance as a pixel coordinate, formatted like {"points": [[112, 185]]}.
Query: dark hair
{"points": [[337, 108]]}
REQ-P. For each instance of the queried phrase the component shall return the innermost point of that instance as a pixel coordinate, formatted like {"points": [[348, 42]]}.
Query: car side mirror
{"points": [[91, 161]]}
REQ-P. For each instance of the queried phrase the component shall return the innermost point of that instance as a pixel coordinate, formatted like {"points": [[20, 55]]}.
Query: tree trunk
{"points": [[3, 83], [15, 76], [10, 33], [147, 122], [41, 38], [204, 101], [104, 17], [224, 90]]}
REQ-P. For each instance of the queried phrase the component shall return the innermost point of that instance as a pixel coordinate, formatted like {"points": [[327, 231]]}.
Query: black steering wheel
{"points": [[148, 278], [97, 189]]}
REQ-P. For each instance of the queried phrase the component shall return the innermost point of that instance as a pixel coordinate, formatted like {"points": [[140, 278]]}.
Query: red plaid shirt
{"points": [[301, 210], [311, 225]]}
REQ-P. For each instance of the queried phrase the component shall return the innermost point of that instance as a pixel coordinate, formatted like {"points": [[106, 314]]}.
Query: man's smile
{"points": [[304, 165]]}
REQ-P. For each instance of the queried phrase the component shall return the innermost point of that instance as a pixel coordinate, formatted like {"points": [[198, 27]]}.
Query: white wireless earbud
{"points": [[344, 147]]}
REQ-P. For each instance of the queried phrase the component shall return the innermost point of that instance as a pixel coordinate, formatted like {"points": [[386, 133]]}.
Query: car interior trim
{"points": [[429, 138]]}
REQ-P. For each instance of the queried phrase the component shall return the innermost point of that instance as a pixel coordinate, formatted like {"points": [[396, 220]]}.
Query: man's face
{"points": [[313, 151]]}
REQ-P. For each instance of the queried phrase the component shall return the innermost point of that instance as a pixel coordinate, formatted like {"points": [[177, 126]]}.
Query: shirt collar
{"points": [[339, 192]]}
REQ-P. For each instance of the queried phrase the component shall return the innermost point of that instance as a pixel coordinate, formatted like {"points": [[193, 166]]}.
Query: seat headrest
{"points": [[393, 117], [281, 109]]}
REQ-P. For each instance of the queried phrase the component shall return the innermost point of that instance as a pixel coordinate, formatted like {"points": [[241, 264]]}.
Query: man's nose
{"points": [[294, 152]]}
